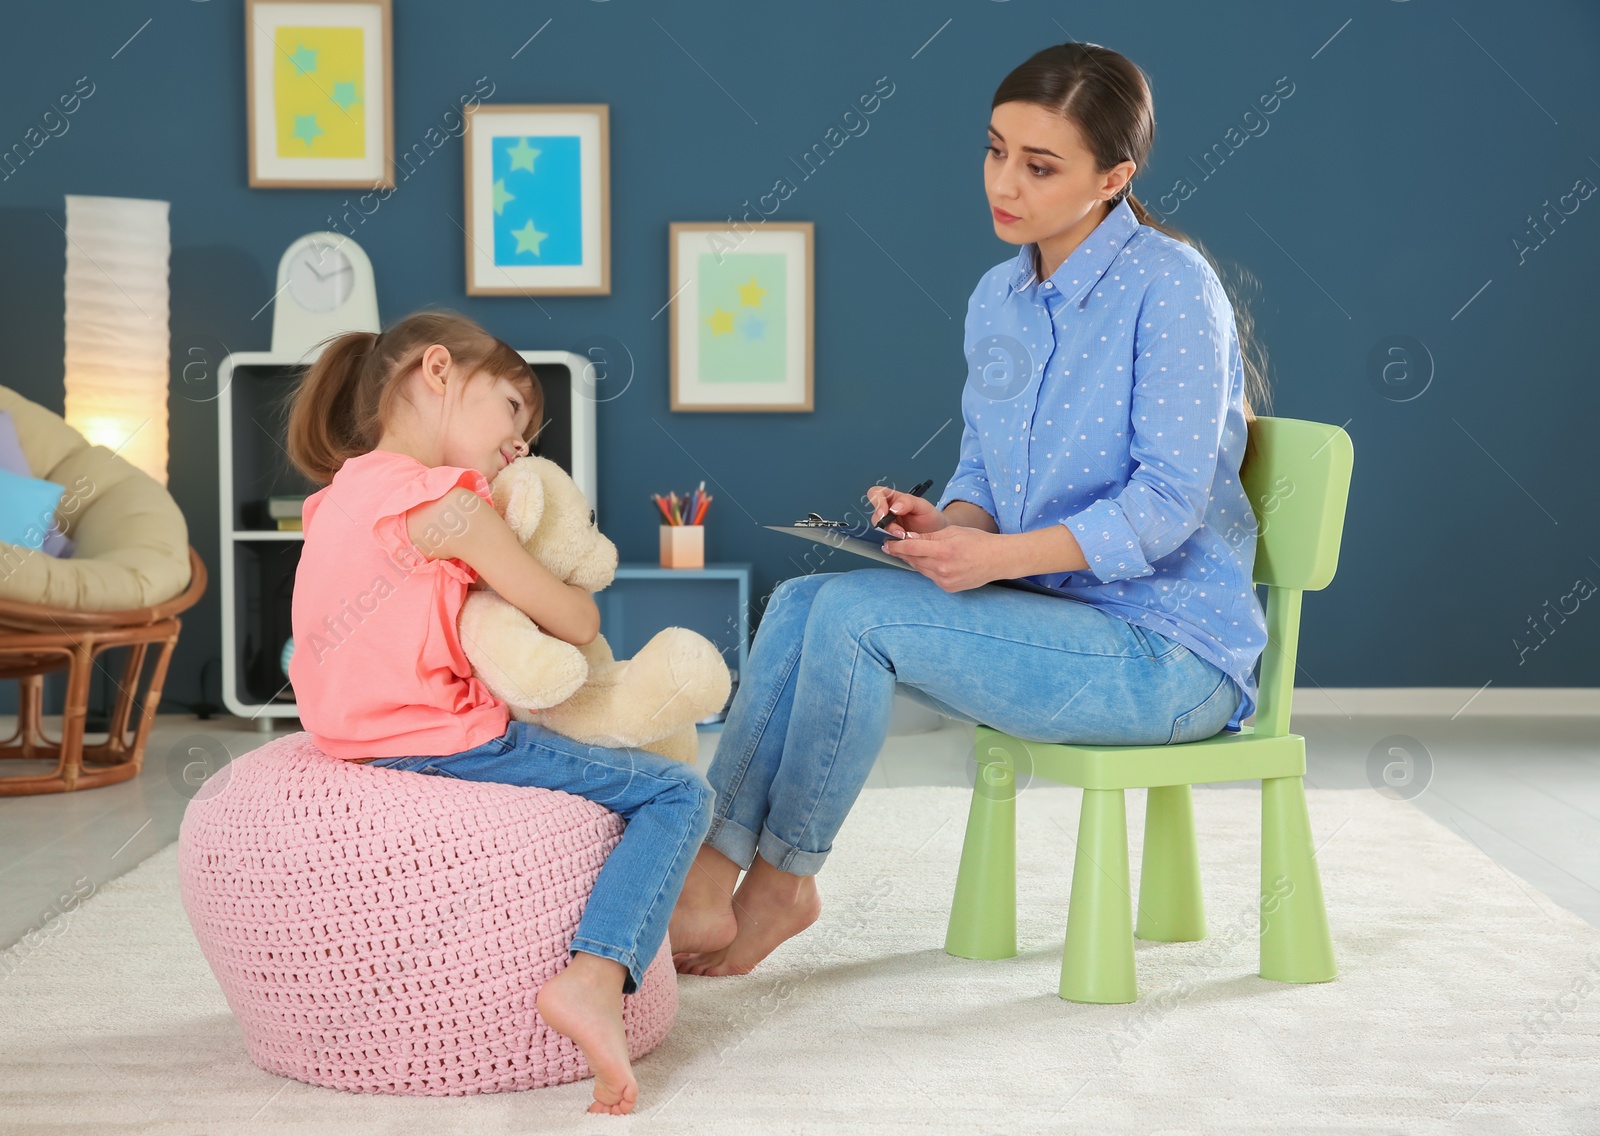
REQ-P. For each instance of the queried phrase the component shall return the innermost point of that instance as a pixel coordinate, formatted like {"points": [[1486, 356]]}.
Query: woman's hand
{"points": [[955, 557], [916, 514]]}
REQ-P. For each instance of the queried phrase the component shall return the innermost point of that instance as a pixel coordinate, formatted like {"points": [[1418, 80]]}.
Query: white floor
{"points": [[1525, 790]]}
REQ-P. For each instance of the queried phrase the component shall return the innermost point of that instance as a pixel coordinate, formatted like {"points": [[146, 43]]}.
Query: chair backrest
{"points": [[1297, 475]]}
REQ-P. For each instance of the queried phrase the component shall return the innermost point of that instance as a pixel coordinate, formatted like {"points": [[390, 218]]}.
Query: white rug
{"points": [[1466, 1002]]}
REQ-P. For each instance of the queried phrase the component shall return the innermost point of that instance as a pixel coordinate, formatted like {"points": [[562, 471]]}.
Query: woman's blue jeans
{"points": [[666, 804], [812, 708]]}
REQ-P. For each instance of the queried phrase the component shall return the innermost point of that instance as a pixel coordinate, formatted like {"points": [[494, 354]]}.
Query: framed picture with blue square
{"points": [[741, 315], [538, 199], [318, 94]]}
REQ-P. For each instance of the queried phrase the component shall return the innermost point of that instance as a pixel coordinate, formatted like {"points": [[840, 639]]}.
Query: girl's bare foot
{"points": [[703, 919], [584, 1003], [769, 907]]}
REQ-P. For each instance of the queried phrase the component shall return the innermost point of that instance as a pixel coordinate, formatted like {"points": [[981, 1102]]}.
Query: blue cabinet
{"points": [[714, 601]]}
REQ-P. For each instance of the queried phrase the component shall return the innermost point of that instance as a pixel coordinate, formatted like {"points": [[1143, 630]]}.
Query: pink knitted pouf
{"points": [[383, 931]]}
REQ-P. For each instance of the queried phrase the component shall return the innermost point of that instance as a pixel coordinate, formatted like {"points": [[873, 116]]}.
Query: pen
{"points": [[916, 491]]}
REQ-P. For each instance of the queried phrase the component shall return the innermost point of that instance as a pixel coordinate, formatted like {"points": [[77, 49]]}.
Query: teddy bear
{"points": [[651, 701]]}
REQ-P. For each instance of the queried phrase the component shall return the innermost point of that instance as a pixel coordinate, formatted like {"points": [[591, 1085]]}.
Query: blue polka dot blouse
{"points": [[1110, 399]]}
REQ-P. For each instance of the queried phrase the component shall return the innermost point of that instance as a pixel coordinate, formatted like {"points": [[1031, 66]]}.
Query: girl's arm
{"points": [[462, 526]]}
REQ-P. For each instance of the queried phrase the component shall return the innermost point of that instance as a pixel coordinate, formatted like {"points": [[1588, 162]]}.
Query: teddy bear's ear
{"points": [[519, 496]]}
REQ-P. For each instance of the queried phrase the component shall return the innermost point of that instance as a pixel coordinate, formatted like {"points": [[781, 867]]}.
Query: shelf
{"points": [[643, 570]]}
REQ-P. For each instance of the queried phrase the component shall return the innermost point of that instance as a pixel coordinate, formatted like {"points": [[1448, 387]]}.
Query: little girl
{"points": [[405, 429]]}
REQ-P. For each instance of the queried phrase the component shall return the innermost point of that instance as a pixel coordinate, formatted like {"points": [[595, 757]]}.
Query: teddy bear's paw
{"points": [[698, 678], [519, 663], [676, 680]]}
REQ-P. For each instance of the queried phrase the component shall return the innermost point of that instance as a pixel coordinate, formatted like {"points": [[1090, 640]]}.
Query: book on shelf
{"points": [[289, 524], [286, 505]]}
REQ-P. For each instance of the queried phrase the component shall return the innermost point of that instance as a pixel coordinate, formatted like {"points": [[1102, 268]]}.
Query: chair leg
{"points": [[1097, 962], [74, 710], [1171, 907], [983, 914], [1295, 943], [30, 713]]}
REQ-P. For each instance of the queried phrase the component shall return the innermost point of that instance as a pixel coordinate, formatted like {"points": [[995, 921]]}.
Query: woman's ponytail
{"points": [[1252, 353]]}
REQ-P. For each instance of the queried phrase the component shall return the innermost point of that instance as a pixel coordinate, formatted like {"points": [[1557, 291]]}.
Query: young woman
{"points": [[1105, 427]]}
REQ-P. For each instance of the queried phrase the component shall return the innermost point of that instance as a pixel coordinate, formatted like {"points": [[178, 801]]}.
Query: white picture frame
{"points": [[786, 381], [349, 87], [572, 196]]}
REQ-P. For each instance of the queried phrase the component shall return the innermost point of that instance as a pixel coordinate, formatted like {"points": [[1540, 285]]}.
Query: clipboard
{"points": [[864, 540]]}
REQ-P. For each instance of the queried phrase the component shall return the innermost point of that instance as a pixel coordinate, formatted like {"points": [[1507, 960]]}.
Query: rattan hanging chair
{"points": [[132, 573]]}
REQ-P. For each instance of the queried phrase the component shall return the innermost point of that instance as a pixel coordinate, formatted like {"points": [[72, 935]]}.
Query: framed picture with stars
{"points": [[741, 315], [538, 200], [320, 113]]}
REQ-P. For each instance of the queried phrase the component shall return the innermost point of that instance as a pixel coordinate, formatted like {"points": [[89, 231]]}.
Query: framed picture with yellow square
{"points": [[741, 315], [320, 111], [538, 199]]}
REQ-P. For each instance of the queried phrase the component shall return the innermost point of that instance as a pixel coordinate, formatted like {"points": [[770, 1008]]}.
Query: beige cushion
{"points": [[133, 542]]}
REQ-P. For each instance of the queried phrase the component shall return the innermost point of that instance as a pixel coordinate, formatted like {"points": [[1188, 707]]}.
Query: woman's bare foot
{"points": [[703, 919], [584, 1002], [769, 907]]}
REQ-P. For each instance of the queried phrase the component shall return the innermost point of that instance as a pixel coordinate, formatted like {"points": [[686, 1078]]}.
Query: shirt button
{"points": [[1018, 489], [1047, 284]]}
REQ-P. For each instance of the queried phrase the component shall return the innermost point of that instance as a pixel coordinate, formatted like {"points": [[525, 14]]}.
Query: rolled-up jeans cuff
{"points": [[733, 840], [635, 972], [786, 857]]}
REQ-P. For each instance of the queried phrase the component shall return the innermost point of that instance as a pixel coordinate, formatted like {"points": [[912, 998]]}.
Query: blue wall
{"points": [[1386, 191]]}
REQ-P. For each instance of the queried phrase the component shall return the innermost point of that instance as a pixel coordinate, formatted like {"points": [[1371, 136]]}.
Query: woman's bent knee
{"points": [[800, 587], [865, 596]]}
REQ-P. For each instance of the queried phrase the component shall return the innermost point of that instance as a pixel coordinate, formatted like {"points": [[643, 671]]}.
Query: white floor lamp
{"points": [[119, 251]]}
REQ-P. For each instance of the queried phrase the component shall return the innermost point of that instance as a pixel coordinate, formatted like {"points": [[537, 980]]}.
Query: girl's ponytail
{"points": [[347, 396], [330, 415]]}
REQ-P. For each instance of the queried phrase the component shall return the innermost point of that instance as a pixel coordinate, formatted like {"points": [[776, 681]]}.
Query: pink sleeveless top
{"points": [[377, 668]]}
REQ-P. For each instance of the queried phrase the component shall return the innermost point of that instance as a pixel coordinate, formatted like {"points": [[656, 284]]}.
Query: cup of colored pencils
{"points": [[683, 534]]}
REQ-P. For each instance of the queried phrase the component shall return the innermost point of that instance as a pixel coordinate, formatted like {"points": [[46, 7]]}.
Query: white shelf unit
{"points": [[251, 413]]}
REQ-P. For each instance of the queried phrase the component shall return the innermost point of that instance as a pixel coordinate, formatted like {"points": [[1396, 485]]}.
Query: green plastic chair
{"points": [[1297, 475]]}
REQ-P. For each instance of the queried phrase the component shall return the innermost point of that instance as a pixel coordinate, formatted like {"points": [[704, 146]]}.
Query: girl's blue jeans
{"points": [[666, 804], [812, 708]]}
